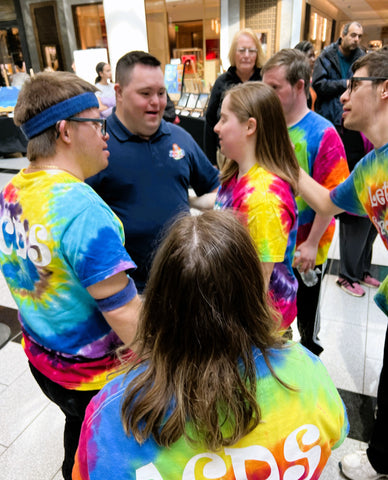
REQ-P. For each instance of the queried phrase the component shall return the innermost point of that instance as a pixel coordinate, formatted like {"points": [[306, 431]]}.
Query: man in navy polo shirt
{"points": [[152, 163]]}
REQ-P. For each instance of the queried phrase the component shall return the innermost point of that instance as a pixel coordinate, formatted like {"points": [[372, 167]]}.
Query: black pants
{"points": [[356, 237], [73, 404], [308, 318], [378, 446], [357, 234]]}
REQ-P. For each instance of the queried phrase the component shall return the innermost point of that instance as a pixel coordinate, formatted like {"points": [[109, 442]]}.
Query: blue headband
{"points": [[60, 111]]}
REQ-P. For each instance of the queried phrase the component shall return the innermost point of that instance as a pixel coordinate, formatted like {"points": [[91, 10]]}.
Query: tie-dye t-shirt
{"points": [[58, 237], [267, 205], [321, 154], [366, 191], [294, 439]]}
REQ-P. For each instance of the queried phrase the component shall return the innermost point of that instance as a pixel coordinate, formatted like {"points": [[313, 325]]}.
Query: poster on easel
{"points": [[173, 78]]}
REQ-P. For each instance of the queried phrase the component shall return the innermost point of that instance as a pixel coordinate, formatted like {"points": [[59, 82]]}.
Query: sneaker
{"points": [[369, 281], [352, 288], [356, 466]]}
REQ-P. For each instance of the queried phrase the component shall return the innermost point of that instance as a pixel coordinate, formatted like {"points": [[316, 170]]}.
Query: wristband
{"points": [[118, 299]]}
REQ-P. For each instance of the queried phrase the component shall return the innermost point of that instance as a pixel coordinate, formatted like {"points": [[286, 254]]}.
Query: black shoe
{"points": [[313, 347]]}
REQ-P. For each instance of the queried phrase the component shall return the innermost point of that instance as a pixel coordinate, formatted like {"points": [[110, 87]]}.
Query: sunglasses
{"points": [[101, 122], [353, 82]]}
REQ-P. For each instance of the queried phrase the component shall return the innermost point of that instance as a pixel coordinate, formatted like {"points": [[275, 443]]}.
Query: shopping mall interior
{"points": [[35, 36]]}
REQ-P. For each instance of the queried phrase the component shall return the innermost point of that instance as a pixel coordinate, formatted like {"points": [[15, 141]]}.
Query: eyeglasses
{"points": [[250, 51], [101, 122], [353, 82]]}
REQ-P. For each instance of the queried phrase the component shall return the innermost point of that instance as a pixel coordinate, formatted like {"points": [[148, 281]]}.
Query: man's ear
{"points": [[299, 84], [251, 125], [118, 90], [384, 91], [63, 131]]}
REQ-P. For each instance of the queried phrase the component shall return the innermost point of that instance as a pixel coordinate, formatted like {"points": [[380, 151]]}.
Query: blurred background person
{"points": [[308, 49], [106, 93], [246, 58]]}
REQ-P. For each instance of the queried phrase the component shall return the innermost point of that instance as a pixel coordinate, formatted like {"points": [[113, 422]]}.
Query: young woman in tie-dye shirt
{"points": [[259, 181], [218, 393]]}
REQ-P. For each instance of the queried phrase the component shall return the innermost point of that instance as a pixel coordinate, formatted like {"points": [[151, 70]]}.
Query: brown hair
{"points": [[40, 92], [376, 63], [205, 307], [260, 57], [99, 69], [347, 26], [274, 151], [296, 64], [127, 63]]}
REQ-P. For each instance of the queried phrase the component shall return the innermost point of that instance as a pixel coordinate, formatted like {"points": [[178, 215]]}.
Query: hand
{"points": [[305, 260]]}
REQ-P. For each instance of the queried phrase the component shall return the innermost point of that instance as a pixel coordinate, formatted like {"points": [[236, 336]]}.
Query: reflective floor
{"points": [[352, 333]]}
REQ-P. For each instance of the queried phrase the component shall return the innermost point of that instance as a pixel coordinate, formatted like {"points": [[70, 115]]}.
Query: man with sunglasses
{"points": [[61, 250], [331, 72], [365, 109]]}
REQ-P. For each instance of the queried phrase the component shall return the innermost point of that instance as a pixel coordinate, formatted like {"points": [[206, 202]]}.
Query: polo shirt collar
{"points": [[122, 134]]}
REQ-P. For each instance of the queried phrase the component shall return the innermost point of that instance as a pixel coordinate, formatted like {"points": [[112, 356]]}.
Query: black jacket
{"points": [[223, 82], [329, 84]]}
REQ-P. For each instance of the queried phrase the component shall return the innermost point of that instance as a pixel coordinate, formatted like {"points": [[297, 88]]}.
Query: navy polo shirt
{"points": [[146, 184]]}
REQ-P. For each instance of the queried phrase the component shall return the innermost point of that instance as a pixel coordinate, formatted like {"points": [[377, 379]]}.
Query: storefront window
{"points": [[11, 57], [7, 11], [188, 32], [89, 21], [320, 30]]}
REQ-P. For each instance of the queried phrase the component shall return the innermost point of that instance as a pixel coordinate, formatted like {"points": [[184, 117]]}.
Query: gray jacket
{"points": [[329, 84]]}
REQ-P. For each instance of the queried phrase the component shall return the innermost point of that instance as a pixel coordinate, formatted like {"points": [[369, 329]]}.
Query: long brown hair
{"points": [[274, 150], [205, 307]]}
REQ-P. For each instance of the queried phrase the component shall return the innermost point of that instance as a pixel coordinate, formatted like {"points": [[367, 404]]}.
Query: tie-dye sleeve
{"points": [[267, 231], [345, 196], [330, 166], [270, 220], [100, 253]]}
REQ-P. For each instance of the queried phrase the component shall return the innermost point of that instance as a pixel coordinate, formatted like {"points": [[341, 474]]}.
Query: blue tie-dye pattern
{"points": [[83, 239]]}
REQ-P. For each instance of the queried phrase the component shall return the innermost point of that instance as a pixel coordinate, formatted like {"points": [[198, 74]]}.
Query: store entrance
{"points": [[11, 55]]}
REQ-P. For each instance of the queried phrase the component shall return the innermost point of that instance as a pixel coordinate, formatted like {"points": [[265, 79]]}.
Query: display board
{"points": [[173, 78], [192, 104]]}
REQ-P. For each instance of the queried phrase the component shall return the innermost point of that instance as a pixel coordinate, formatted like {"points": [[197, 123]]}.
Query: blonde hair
{"points": [[274, 150], [260, 57]]}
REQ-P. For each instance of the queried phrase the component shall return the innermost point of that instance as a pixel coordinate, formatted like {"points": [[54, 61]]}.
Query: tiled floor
{"points": [[352, 332]]}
